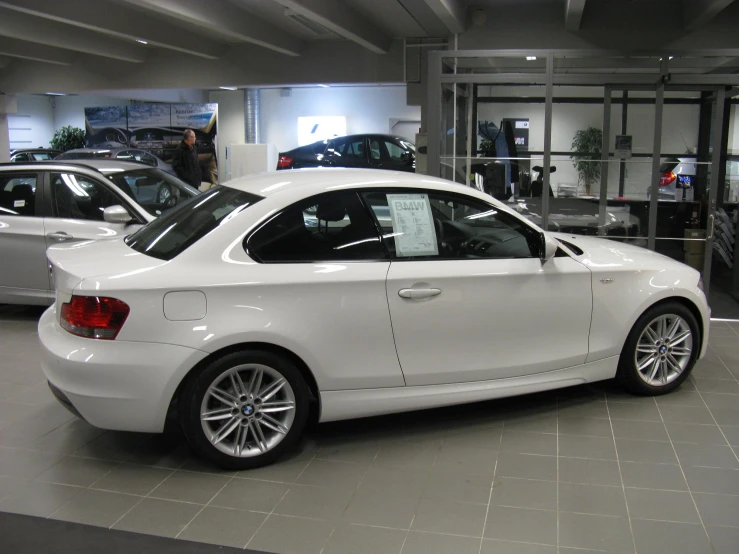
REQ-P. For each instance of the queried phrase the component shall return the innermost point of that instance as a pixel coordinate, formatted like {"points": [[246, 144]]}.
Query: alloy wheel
{"points": [[664, 350], [247, 410]]}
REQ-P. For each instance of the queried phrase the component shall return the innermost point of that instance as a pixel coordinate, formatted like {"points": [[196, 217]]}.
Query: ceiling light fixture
{"points": [[141, 41], [531, 58], [56, 93], [324, 86], [229, 88]]}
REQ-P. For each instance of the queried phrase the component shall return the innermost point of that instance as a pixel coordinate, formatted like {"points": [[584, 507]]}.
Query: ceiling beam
{"points": [[233, 23], [336, 16], [699, 12], [117, 21], [573, 14], [451, 13], [32, 51], [32, 29]]}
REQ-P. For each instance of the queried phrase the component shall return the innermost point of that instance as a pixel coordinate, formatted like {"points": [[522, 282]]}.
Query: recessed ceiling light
{"points": [[141, 41], [531, 58], [56, 93], [229, 88]]}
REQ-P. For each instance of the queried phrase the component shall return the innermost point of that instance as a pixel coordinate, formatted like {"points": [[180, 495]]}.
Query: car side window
{"points": [[21, 158], [18, 194], [79, 197], [347, 150], [422, 225], [395, 152], [124, 155], [333, 226], [375, 151]]}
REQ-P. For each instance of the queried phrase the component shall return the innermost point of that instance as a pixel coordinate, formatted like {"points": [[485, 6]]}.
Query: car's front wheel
{"points": [[660, 351], [245, 409]]}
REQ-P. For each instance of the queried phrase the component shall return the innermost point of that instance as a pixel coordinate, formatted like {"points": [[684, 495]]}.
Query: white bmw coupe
{"points": [[338, 293]]}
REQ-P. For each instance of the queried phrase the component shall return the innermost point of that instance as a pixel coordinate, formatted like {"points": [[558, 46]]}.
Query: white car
{"points": [[282, 297]]}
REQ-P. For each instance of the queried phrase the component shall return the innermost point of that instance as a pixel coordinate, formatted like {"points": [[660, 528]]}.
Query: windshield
{"points": [[178, 229], [153, 189]]}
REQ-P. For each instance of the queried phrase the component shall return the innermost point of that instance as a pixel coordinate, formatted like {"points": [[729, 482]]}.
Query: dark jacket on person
{"points": [[187, 165]]}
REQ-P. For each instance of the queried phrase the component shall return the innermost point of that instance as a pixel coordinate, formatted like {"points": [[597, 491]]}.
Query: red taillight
{"points": [[284, 162], [94, 317], [667, 179]]}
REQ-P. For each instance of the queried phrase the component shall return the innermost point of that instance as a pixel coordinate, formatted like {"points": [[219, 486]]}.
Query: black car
{"points": [[369, 151], [33, 154]]}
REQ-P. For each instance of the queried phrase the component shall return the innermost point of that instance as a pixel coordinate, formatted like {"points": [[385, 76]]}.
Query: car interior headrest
{"points": [[330, 211]]}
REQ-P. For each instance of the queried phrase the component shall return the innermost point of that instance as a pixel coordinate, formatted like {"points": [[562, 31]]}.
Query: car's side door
{"points": [[469, 296], [387, 154], [320, 284], [348, 152], [78, 202], [23, 271]]}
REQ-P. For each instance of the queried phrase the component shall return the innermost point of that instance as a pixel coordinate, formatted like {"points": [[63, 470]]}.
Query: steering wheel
{"points": [[164, 195]]}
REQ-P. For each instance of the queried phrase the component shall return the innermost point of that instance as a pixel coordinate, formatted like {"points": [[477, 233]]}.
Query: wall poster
{"points": [[156, 128]]}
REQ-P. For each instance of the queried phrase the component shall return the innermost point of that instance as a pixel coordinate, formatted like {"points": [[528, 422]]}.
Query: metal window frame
{"points": [[659, 82]]}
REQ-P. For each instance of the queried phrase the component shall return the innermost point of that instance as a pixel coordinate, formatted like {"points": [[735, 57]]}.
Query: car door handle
{"points": [[415, 294], [60, 236]]}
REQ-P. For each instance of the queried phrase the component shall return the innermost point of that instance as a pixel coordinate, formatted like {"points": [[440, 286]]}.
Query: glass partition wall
{"points": [[640, 149]]}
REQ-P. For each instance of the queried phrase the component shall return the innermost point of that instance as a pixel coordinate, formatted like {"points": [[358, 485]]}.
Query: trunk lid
{"points": [[72, 263]]}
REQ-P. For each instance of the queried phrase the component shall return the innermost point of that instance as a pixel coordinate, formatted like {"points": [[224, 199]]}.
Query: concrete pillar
{"points": [[8, 105]]}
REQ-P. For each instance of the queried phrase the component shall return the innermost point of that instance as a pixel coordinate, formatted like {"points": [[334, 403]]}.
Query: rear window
{"points": [[180, 228]]}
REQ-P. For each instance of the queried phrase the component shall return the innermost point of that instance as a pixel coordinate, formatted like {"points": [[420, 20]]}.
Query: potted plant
{"points": [[586, 155], [68, 138]]}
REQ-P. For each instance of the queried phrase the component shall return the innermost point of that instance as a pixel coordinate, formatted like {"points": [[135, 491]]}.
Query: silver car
{"points": [[46, 203]]}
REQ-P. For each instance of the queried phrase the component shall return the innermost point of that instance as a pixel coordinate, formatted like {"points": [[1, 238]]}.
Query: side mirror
{"points": [[549, 247], [116, 214]]}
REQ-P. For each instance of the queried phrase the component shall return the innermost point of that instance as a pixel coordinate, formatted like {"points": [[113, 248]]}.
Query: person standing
{"points": [[185, 162]]}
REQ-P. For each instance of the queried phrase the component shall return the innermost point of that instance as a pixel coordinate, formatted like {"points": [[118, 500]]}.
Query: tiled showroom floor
{"points": [[590, 469]]}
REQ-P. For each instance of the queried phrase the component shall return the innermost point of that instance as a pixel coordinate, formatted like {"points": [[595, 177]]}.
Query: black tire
{"points": [[628, 375], [197, 387]]}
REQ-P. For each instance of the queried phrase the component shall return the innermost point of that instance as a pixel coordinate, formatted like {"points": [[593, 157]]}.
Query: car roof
{"points": [[32, 150], [101, 149], [301, 183], [103, 165]]}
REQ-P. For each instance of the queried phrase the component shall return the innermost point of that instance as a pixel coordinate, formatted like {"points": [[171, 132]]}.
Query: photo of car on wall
{"points": [[157, 129]]}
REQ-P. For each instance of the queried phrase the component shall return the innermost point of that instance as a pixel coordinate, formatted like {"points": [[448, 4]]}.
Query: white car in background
{"points": [[267, 302]]}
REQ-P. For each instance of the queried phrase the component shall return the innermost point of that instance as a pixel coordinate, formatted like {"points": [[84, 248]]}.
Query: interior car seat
{"points": [[23, 200]]}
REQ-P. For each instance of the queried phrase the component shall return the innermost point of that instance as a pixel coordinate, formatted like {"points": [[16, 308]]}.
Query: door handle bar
{"points": [[416, 294], [60, 236]]}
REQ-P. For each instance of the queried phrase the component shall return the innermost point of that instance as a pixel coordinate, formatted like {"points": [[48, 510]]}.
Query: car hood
{"points": [[600, 254]]}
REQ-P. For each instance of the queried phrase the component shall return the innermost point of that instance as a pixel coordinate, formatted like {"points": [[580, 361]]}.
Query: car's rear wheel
{"points": [[245, 409], [660, 351]]}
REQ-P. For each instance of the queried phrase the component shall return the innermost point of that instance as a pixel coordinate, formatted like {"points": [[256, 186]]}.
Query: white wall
{"points": [[367, 110], [231, 124], [33, 124]]}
